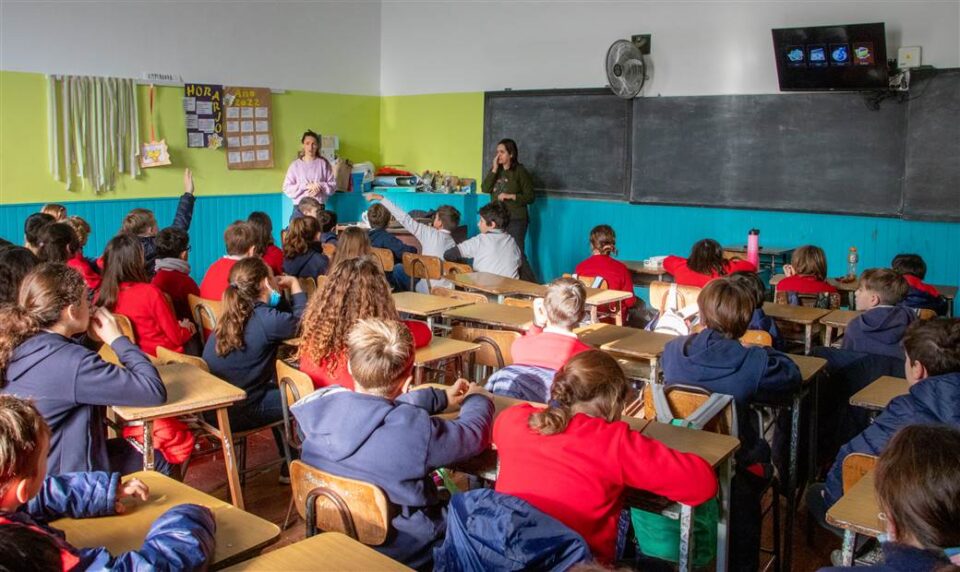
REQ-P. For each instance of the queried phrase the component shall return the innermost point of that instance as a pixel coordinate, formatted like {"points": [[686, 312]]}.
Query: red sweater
{"points": [[90, 276], [616, 274], [546, 349], [216, 279], [274, 259], [152, 318], [578, 476], [804, 284], [920, 285], [178, 286], [677, 266]]}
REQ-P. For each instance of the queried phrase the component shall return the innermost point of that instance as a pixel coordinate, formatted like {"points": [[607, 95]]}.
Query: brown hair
{"points": [[239, 237], [22, 431], [15, 263], [565, 302], [243, 291], [57, 242], [890, 286], [58, 212], [809, 260], [139, 221], [706, 257], [261, 221], [81, 227], [917, 485], [352, 243], [935, 344], [911, 264], [302, 232], [449, 217], [603, 239], [355, 289], [327, 219], [303, 138], [32, 226], [592, 379], [378, 216], [511, 146], [753, 283], [381, 354], [726, 306], [309, 203], [122, 262], [44, 293]]}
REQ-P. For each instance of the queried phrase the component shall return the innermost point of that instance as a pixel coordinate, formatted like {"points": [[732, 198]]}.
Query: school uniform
{"points": [[878, 331], [805, 284], [182, 538], [548, 348], [273, 257], [923, 296], [901, 558], [493, 251], [217, 278], [578, 476], [310, 264], [181, 220], [395, 445], [380, 238], [90, 275], [153, 320], [71, 386], [433, 241], [677, 267], [173, 279], [761, 321], [616, 274]]}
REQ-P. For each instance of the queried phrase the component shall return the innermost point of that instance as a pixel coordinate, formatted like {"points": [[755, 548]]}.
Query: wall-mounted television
{"points": [[842, 58]]}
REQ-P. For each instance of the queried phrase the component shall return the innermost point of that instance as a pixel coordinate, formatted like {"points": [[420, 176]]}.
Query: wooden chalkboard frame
{"points": [[622, 195]]}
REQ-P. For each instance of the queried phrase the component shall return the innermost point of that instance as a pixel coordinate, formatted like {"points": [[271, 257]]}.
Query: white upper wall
{"points": [[314, 46], [699, 48]]}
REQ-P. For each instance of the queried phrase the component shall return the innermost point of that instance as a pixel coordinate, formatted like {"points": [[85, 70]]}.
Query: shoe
{"points": [[284, 478]]}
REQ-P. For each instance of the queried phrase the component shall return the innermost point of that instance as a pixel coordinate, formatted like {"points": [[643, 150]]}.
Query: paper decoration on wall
{"points": [[203, 108], [247, 118], [154, 153]]}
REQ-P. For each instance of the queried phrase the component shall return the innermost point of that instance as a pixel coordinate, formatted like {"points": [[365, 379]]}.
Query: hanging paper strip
{"points": [[247, 118], [154, 153], [203, 110]]}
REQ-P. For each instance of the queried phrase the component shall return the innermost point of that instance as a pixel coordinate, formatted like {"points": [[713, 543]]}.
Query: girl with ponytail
{"points": [[70, 384], [603, 245], [243, 346], [573, 459]]}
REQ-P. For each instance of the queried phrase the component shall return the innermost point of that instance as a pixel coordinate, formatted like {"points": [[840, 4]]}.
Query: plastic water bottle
{"points": [[852, 259], [753, 247]]}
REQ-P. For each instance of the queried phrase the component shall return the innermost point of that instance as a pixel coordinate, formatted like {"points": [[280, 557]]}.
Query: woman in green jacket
{"points": [[510, 182]]}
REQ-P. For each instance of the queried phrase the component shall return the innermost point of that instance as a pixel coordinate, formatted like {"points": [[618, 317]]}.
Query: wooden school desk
{"points": [[597, 298], [880, 392], [327, 551], [497, 316], [425, 306], [496, 285], [641, 345], [596, 335], [857, 512], [239, 534], [837, 319], [190, 390], [644, 275], [802, 315], [769, 255], [442, 349]]}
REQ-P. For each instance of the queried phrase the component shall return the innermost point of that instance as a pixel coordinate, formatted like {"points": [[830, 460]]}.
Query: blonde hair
{"points": [[353, 242], [58, 212], [381, 354], [809, 260], [565, 302]]}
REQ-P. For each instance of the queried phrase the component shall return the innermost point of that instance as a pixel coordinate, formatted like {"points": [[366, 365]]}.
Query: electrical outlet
{"points": [[908, 57]]}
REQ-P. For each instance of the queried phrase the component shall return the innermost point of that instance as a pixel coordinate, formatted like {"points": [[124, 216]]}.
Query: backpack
{"points": [[673, 318]]}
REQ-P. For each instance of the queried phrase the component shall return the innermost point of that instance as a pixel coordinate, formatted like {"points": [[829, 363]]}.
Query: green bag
{"points": [[659, 536]]}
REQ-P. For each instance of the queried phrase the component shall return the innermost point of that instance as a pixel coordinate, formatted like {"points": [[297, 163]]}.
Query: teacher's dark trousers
{"points": [[518, 230]]}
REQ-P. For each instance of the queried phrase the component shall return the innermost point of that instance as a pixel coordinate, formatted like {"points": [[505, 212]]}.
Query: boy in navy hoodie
{"points": [[379, 218], [716, 361], [879, 329], [391, 440], [920, 296]]}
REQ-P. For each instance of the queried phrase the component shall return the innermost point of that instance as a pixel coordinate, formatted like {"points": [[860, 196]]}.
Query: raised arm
{"points": [[184, 214]]}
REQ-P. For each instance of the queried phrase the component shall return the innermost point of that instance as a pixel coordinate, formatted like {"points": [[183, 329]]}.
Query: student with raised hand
{"points": [[706, 262], [41, 360], [379, 218], [435, 238], [143, 224], [173, 269], [603, 245], [493, 250], [303, 255], [182, 538], [574, 459]]}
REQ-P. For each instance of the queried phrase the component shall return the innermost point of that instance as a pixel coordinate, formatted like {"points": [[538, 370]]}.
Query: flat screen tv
{"points": [[842, 58]]}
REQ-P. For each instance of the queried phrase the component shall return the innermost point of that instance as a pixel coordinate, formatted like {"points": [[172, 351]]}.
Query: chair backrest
{"points": [[106, 353], [451, 268], [659, 291], [308, 285], [589, 281], [165, 356], [756, 338], [684, 400], [825, 300], [855, 466], [475, 297], [205, 313], [385, 256], [494, 345], [421, 266], [338, 504], [294, 384], [926, 314], [518, 302], [329, 249]]}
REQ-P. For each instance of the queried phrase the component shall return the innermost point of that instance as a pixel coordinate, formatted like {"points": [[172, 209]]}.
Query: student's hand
{"points": [[373, 197], [103, 325], [134, 488], [496, 163], [457, 392], [290, 283], [187, 181], [185, 323], [789, 270], [313, 188]]}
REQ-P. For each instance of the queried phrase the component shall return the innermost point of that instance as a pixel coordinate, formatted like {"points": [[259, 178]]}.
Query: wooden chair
{"points": [[329, 249], [494, 352], [106, 353], [338, 504], [589, 281], [659, 291], [385, 256], [757, 338], [452, 268], [518, 302], [421, 266], [165, 356], [926, 314], [825, 300], [308, 285], [855, 466], [475, 297], [294, 385], [205, 313]]}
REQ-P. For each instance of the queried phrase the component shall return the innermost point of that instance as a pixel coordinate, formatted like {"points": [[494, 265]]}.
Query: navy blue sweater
{"points": [[920, 300], [395, 445], [901, 558], [761, 321], [181, 220], [71, 385], [935, 400], [878, 331], [253, 367], [380, 238], [310, 264], [721, 365]]}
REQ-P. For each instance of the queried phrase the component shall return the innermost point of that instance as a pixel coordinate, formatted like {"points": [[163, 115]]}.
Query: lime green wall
{"points": [[440, 132], [25, 177]]}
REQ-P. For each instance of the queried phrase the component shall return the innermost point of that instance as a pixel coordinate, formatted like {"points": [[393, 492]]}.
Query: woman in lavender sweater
{"points": [[310, 175]]}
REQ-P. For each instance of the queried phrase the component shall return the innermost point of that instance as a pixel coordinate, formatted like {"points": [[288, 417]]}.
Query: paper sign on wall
{"points": [[249, 120], [203, 107]]}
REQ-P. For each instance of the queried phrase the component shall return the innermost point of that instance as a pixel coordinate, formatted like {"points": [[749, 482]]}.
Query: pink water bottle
{"points": [[753, 247]]}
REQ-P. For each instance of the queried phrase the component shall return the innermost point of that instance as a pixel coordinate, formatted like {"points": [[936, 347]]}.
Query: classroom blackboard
{"points": [[573, 142]]}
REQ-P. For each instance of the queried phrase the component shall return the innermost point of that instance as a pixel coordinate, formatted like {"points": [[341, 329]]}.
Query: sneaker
{"points": [[284, 478]]}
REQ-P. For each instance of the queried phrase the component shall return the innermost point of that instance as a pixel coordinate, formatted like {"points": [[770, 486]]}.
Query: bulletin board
{"points": [[248, 115], [203, 110]]}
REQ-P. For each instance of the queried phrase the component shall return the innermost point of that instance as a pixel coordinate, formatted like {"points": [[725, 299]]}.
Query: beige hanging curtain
{"points": [[93, 130]]}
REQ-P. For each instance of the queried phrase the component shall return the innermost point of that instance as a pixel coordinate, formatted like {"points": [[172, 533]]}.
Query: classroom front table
{"points": [[803, 315], [425, 306], [327, 551], [190, 390], [880, 393], [857, 512], [239, 534]]}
